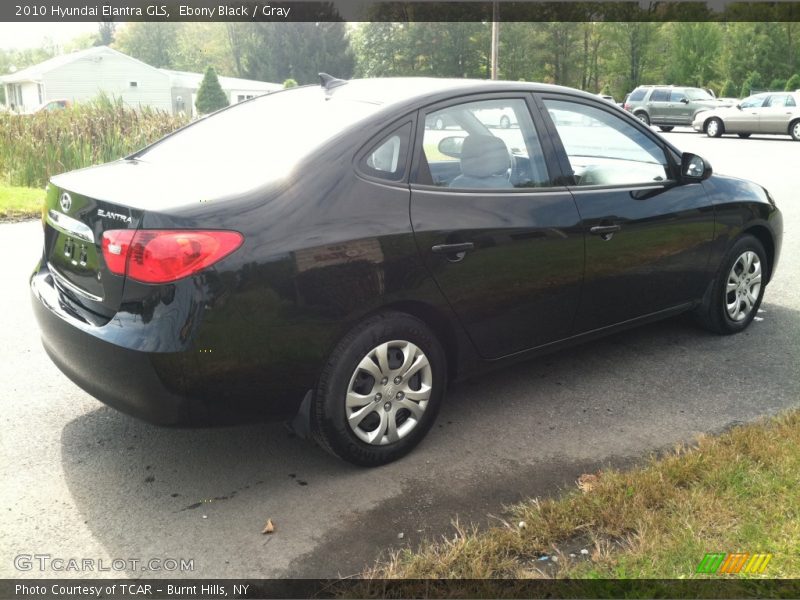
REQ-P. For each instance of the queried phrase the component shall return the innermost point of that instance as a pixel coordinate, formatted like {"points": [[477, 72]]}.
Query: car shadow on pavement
{"points": [[146, 491]]}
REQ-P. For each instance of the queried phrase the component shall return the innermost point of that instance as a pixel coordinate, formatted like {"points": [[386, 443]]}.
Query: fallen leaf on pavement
{"points": [[268, 527]]}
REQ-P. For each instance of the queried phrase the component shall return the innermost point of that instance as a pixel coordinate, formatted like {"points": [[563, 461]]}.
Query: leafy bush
{"points": [[793, 83], [35, 147], [289, 83], [752, 84], [210, 96]]}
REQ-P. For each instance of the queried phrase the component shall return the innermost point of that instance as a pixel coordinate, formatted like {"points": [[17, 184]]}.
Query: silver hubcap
{"points": [[642, 118], [743, 287], [713, 128], [388, 392], [796, 130]]}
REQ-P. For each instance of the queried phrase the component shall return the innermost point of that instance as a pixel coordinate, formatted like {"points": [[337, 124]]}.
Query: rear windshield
{"points": [[637, 95], [260, 140]]}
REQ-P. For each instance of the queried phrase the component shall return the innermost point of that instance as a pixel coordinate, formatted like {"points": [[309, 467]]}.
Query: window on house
{"points": [[134, 84]]}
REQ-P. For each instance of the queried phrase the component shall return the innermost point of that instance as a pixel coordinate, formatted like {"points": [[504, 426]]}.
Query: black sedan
{"points": [[319, 253]]}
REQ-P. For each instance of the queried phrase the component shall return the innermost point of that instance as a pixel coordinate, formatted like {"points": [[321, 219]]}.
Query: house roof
{"points": [[177, 78], [193, 80], [36, 72]]}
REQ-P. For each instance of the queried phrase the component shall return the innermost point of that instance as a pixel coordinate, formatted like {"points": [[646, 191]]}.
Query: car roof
{"points": [[402, 90]]}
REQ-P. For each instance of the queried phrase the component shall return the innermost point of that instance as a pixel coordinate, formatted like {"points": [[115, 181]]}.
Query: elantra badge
{"points": [[65, 202], [104, 214]]}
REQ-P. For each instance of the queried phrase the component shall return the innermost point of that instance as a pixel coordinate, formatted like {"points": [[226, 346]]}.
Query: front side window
{"points": [[676, 96], [604, 149], [487, 144], [698, 94], [753, 101]]}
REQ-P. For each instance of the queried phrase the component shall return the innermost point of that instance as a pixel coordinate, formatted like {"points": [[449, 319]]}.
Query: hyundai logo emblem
{"points": [[66, 202]]}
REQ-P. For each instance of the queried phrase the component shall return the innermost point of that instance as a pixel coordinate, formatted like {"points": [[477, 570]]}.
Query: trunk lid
{"points": [[73, 236]]}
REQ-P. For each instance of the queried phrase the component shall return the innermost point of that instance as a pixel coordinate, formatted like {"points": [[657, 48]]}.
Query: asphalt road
{"points": [[79, 480]]}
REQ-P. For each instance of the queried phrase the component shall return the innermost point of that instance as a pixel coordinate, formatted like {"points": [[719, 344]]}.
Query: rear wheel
{"points": [[743, 135], [714, 128], [642, 116], [737, 290], [380, 391], [794, 130], [666, 127]]}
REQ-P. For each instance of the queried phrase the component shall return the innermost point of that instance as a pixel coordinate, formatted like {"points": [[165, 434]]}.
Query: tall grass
{"points": [[35, 147]]}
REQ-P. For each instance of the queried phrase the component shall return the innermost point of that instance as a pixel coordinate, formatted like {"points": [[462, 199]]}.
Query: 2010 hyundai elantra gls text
{"points": [[328, 251]]}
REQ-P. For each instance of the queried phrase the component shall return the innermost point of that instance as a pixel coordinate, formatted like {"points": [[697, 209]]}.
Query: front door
{"points": [[648, 238], [501, 240]]}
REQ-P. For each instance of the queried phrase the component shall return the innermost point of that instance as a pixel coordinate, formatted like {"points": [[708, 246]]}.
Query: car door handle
{"points": [[604, 229], [452, 248]]}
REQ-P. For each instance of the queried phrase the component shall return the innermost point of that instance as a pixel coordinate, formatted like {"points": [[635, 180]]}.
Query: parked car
{"points": [[347, 269], [769, 113], [668, 106], [51, 106]]}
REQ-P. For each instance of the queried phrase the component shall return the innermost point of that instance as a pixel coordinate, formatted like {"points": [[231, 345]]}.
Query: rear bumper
{"points": [[125, 379]]}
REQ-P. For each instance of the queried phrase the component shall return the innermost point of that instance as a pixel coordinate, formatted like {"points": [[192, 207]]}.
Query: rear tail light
{"points": [[162, 256], [627, 106]]}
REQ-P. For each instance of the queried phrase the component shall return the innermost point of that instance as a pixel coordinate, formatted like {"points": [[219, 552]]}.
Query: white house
{"points": [[81, 76]]}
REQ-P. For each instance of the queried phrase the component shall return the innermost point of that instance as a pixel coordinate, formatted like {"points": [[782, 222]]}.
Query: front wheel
{"points": [[737, 290], [666, 128], [380, 391], [714, 128], [794, 130]]}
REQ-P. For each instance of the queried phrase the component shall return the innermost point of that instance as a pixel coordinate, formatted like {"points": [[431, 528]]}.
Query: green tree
{"points": [[793, 83], [153, 43], [694, 48], [105, 33], [777, 84], [210, 96], [728, 90]]}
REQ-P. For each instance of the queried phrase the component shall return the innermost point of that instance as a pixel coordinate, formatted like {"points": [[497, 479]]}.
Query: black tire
{"points": [[643, 117], [794, 130], [712, 313], [666, 128], [715, 127], [329, 422], [744, 136]]}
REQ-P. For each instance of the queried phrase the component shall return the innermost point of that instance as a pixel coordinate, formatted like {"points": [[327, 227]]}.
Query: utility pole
{"points": [[495, 35]]}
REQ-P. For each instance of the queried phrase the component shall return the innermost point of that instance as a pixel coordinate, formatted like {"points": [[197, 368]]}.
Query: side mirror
{"points": [[694, 168], [451, 146], [739, 106], [685, 100]]}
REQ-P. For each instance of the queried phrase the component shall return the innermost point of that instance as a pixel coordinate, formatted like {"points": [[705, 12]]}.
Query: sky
{"points": [[32, 35]]}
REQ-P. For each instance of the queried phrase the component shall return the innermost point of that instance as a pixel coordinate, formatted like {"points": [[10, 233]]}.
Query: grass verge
{"points": [[736, 492], [18, 203]]}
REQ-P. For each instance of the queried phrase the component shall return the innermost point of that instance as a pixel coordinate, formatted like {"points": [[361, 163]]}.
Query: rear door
{"points": [[659, 106], [648, 238], [496, 230], [778, 111]]}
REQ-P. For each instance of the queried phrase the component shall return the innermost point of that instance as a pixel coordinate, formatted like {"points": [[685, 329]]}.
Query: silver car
{"points": [[769, 112]]}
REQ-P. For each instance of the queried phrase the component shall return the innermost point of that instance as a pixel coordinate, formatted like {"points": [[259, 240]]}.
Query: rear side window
{"points": [[637, 95], [660, 95], [387, 158]]}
